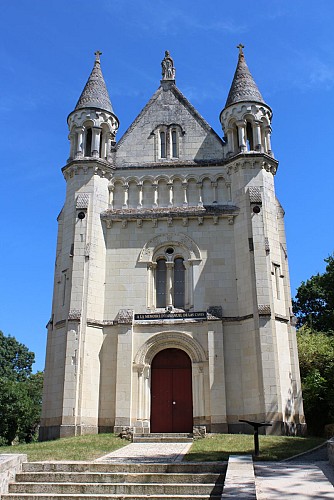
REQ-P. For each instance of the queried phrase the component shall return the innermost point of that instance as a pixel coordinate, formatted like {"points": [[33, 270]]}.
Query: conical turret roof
{"points": [[243, 86], [95, 93]]}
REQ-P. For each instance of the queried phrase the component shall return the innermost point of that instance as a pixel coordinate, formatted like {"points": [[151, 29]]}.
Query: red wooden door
{"points": [[171, 392]]}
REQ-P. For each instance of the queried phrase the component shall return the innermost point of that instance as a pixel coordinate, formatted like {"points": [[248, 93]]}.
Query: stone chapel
{"points": [[171, 305]]}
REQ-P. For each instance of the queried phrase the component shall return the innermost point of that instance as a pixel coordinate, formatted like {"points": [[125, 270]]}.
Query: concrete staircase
{"points": [[126, 481], [170, 437]]}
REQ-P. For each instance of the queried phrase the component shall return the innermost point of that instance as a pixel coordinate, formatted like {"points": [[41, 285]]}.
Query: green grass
{"points": [[74, 448], [216, 447]]}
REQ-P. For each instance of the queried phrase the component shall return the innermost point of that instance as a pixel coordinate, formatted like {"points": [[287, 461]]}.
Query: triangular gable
{"points": [[167, 108]]}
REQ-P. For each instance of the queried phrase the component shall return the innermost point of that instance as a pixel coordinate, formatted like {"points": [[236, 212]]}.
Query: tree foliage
{"points": [[314, 302], [316, 359], [21, 392], [16, 359]]}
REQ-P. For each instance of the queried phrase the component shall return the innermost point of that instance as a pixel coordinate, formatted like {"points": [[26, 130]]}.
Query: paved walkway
{"points": [[148, 453], [276, 481]]}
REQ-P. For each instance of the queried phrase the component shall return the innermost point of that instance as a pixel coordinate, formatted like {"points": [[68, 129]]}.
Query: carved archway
{"points": [[165, 340]]}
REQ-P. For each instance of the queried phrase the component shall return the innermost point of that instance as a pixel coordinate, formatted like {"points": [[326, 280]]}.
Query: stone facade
{"points": [[172, 238]]}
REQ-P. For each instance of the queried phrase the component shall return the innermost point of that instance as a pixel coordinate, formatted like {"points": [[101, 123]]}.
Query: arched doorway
{"points": [[171, 392]]}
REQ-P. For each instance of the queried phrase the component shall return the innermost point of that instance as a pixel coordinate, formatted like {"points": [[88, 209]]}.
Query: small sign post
{"points": [[256, 426]]}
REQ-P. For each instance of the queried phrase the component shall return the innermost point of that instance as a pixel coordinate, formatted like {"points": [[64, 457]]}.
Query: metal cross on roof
{"points": [[240, 47], [97, 55]]}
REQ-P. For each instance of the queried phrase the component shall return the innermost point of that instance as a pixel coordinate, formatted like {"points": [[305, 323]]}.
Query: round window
{"points": [[169, 251]]}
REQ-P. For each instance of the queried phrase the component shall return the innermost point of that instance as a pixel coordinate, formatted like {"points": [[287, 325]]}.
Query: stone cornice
{"points": [[95, 166], [173, 212], [163, 165], [251, 160]]}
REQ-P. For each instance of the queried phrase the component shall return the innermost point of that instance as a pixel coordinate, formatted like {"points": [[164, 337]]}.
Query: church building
{"points": [[171, 303]]}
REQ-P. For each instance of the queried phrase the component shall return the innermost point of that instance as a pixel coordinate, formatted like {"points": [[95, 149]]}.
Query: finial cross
{"points": [[240, 47], [97, 55]]}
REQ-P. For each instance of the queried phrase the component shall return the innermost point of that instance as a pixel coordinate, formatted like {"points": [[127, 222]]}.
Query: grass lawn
{"points": [[214, 447], [73, 448], [220, 446]]}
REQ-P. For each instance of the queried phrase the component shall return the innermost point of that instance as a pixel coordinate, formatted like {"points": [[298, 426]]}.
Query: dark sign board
{"points": [[171, 315]]}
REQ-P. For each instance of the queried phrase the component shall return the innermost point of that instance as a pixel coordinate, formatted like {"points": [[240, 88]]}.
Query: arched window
{"points": [[168, 139], [161, 283], [88, 142], [170, 281], [179, 282], [249, 136], [175, 146], [163, 148]]}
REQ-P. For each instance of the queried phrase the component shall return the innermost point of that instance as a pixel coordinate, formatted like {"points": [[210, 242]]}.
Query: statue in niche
{"points": [[167, 65]]}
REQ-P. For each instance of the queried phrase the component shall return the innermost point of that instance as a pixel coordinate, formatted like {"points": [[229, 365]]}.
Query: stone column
{"points": [[169, 283], [267, 132], [229, 193], [200, 201], [170, 187], [155, 187], [242, 135], [150, 299], [230, 140], [79, 145], [185, 199], [111, 196], [96, 137], [126, 195], [198, 390], [140, 194], [257, 136], [188, 284], [72, 137]]}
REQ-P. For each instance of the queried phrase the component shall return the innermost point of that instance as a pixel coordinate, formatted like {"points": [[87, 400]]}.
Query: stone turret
{"points": [[246, 118], [93, 124]]}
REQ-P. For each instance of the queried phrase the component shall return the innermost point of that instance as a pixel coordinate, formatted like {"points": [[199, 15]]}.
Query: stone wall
{"points": [[10, 464]]}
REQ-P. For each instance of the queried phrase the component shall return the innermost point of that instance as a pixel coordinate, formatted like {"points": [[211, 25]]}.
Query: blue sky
{"points": [[46, 54]]}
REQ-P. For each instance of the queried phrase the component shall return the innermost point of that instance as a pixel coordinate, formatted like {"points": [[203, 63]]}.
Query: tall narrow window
{"points": [[175, 152], [88, 145], [102, 145], [277, 274], [163, 149], [179, 282], [250, 141], [161, 277]]}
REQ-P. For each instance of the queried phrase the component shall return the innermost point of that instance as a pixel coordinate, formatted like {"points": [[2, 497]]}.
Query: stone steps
{"points": [[135, 481], [105, 466], [155, 437], [41, 496], [114, 477]]}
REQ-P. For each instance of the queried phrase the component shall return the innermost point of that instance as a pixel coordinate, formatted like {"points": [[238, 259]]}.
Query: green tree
{"points": [[16, 359], [314, 302], [316, 359], [21, 392]]}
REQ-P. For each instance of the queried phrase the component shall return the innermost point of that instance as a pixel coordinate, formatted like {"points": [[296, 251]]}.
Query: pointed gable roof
{"points": [[95, 93], [243, 86]]}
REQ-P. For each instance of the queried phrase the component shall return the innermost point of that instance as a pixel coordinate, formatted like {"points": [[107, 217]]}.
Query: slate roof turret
{"points": [[243, 86], [95, 93]]}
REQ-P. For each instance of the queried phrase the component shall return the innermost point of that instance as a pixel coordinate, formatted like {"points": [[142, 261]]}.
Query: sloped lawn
{"points": [[216, 447]]}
